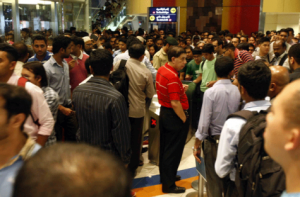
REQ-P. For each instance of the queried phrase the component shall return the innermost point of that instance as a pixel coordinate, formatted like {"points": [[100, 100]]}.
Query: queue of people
{"points": [[94, 89]]}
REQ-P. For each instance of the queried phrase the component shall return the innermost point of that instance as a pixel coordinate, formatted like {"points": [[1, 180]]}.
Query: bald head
{"points": [[279, 47], [279, 79]]}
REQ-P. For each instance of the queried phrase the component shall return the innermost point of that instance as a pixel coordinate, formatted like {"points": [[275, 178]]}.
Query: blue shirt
{"points": [[284, 194], [117, 52], [59, 80], [219, 101], [9, 172], [46, 58], [229, 140]]}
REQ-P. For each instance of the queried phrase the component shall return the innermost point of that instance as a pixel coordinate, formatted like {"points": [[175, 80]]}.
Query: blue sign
{"points": [[163, 14]]}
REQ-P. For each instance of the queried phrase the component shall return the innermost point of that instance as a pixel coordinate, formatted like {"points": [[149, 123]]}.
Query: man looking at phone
{"points": [[218, 102]]}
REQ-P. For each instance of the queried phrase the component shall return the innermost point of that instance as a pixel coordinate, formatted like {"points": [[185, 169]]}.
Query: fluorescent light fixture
{"points": [[34, 2]]}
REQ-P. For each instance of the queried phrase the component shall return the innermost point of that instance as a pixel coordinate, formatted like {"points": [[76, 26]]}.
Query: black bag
{"points": [[257, 175], [120, 80]]}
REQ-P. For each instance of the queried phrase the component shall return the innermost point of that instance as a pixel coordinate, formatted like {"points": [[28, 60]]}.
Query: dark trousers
{"points": [[136, 143], [196, 110], [70, 126], [216, 186], [173, 134]]}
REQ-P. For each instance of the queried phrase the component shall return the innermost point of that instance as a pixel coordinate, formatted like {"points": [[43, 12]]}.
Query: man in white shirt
{"points": [[40, 111], [280, 56], [254, 80], [23, 55]]}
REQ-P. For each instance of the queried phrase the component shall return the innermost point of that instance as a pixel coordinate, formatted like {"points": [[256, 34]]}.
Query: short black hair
{"points": [[197, 51], [284, 30], [230, 35], [263, 39], [25, 30], [175, 51], [229, 46], [22, 50], [124, 40], [183, 41], [251, 45], [101, 61], [103, 38], [208, 48], [223, 66], [243, 46], [268, 32], [189, 47], [131, 40], [245, 36], [39, 37], [220, 41], [221, 33], [72, 28], [12, 53], [255, 77], [17, 101], [290, 29], [237, 38], [295, 53], [37, 69], [60, 42], [97, 173], [107, 45], [78, 40], [136, 50]]}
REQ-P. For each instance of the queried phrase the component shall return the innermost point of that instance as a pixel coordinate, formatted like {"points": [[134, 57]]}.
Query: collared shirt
{"points": [[229, 140], [18, 68], [86, 80], [103, 117], [79, 72], [59, 80], [160, 58], [295, 75], [241, 58], [265, 58], [271, 52], [8, 172], [52, 99], [276, 60], [284, 194], [208, 73], [117, 52], [169, 87], [219, 101], [46, 58], [146, 61], [140, 86], [39, 110]]}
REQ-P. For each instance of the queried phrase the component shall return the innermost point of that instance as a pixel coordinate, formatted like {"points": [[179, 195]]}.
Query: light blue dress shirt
{"points": [[146, 61], [219, 101], [59, 80], [284, 194], [117, 52], [229, 140]]}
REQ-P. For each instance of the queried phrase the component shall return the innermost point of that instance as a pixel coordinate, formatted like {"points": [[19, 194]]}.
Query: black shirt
{"points": [[295, 75]]}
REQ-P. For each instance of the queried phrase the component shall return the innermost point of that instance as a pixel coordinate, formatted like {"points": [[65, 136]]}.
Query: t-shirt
{"points": [[208, 73], [193, 69], [184, 69]]}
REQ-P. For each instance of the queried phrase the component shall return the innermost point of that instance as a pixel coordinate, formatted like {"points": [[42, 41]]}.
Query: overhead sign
{"points": [[163, 14]]}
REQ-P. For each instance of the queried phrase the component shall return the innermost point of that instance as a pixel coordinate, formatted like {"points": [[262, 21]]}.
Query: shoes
{"points": [[141, 163], [175, 190], [178, 178]]}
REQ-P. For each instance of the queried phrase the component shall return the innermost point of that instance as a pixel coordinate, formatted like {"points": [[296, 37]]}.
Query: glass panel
{"points": [[7, 12]]}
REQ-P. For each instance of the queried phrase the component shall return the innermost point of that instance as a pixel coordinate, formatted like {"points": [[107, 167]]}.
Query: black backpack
{"points": [[257, 175], [120, 80]]}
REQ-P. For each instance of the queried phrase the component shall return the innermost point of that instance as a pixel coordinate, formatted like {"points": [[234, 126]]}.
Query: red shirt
{"points": [[169, 87], [241, 58], [78, 73]]}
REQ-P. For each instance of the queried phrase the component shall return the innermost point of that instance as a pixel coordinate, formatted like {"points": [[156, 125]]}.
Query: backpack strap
{"points": [[203, 65], [283, 59], [22, 81], [245, 114], [122, 64]]}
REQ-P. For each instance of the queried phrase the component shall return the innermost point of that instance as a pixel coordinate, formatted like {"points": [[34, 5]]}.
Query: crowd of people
{"points": [[95, 89]]}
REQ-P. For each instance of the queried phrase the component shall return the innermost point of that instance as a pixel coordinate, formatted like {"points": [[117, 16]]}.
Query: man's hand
{"points": [[197, 150], [66, 111], [210, 84], [72, 64], [185, 87]]}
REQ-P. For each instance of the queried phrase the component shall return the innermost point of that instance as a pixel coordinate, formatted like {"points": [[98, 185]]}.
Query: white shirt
{"points": [[229, 140], [39, 110], [19, 68], [86, 80]]}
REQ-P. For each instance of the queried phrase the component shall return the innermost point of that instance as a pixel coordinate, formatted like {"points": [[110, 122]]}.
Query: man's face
{"points": [[149, 42], [23, 34], [182, 44], [197, 58], [235, 41], [208, 56], [130, 32], [209, 38], [196, 40], [159, 44], [161, 32], [265, 47], [229, 53], [39, 47], [283, 36], [216, 47], [122, 46], [188, 41], [68, 50], [4, 122], [76, 49], [180, 62], [30, 76], [251, 40], [251, 50], [6, 67], [228, 38], [10, 38], [243, 40], [117, 45], [88, 46], [205, 35], [201, 45], [189, 53], [112, 42], [273, 33], [278, 49]]}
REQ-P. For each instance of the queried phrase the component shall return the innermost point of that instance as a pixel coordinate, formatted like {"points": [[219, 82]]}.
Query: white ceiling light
{"points": [[34, 2]]}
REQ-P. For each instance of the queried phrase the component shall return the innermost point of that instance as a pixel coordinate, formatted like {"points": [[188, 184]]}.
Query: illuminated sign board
{"points": [[163, 14]]}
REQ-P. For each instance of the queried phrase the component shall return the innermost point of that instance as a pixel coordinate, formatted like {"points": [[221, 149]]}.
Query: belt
{"points": [[214, 139]]}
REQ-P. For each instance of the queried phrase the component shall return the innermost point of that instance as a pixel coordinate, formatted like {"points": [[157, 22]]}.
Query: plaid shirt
{"points": [[52, 99]]}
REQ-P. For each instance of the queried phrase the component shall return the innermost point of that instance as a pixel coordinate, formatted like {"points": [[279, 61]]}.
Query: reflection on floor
{"points": [[147, 181]]}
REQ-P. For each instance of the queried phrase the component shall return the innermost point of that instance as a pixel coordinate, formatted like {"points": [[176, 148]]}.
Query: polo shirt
{"points": [[208, 73], [241, 58], [169, 87], [192, 69], [46, 58]]}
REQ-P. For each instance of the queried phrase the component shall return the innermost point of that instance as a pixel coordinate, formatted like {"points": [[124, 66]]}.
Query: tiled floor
{"points": [[146, 182]]}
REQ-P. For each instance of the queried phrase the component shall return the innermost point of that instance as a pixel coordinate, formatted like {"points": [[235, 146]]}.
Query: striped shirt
{"points": [[169, 87], [103, 117], [241, 58]]}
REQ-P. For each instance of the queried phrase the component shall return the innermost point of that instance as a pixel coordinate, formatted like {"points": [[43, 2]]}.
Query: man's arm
{"points": [[156, 62], [121, 129], [199, 78], [150, 67], [177, 107], [150, 90]]}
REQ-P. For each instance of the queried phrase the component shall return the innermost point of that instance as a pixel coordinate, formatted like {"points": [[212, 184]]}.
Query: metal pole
{"points": [[178, 21], [2, 21], [16, 20], [54, 20], [86, 15], [262, 17]]}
